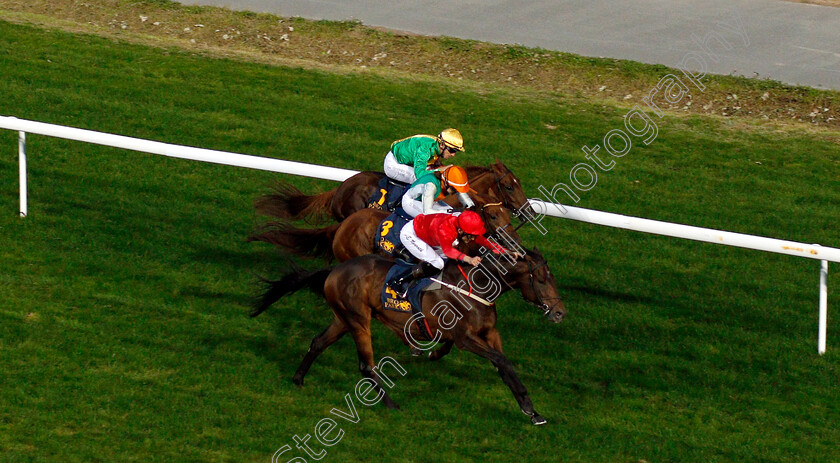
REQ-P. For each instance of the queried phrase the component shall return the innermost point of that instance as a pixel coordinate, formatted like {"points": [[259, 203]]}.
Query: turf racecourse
{"points": [[123, 328]]}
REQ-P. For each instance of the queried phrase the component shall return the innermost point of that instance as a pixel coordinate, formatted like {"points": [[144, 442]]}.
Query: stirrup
{"points": [[400, 286]]}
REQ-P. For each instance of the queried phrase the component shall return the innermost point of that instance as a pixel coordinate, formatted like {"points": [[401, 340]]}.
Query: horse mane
{"points": [[476, 170]]}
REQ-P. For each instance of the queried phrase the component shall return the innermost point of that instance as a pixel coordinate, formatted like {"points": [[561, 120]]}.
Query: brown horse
{"points": [[357, 235], [353, 288], [287, 202]]}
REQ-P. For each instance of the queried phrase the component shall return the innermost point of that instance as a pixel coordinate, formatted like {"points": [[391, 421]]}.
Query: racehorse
{"points": [[287, 202], [353, 289], [357, 235]]}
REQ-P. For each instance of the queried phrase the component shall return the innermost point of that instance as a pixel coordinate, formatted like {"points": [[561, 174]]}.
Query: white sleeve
{"points": [[429, 194], [413, 192], [465, 200]]}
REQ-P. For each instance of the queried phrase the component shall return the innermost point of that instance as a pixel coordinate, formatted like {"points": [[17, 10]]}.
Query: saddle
{"points": [[392, 295], [388, 236], [388, 195]]}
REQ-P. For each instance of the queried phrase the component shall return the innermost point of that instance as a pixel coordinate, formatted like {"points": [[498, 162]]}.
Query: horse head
{"points": [[537, 285], [497, 219], [509, 189]]}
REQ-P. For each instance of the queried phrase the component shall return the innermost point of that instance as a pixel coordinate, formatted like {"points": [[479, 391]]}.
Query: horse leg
{"points": [[439, 353], [490, 348], [333, 333], [364, 347]]}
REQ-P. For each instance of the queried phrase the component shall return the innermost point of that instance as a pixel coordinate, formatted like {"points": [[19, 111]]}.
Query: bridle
{"points": [[543, 304], [508, 199], [484, 209], [483, 213]]}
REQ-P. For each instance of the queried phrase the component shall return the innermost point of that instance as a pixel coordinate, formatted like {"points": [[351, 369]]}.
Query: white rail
{"points": [[758, 243], [824, 254], [176, 151]]}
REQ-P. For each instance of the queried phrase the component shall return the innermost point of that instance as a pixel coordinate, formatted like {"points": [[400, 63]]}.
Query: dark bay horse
{"points": [[353, 289], [287, 202], [357, 235]]}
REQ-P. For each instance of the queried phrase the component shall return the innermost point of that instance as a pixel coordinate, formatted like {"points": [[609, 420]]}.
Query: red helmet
{"points": [[470, 222]]}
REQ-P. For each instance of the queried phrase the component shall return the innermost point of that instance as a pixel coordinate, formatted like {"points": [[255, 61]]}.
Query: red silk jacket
{"points": [[442, 230]]}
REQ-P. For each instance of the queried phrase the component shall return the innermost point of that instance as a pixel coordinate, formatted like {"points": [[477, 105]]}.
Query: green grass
{"points": [[124, 334]]}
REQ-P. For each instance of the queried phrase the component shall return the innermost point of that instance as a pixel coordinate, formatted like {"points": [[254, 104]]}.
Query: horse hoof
{"points": [[298, 381], [415, 352], [537, 420]]}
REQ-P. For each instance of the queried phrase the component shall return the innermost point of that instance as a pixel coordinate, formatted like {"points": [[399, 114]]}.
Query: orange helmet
{"points": [[470, 222], [457, 178]]}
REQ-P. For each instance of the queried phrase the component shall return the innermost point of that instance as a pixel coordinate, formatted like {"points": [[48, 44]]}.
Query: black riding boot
{"points": [[420, 271]]}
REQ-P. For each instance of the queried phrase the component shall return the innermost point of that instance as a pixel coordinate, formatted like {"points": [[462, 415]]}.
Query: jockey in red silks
{"points": [[431, 238]]}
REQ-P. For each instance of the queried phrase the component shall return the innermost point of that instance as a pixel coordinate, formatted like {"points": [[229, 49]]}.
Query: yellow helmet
{"points": [[452, 138]]}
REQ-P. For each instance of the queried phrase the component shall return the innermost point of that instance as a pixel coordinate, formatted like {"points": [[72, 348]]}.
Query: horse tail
{"points": [[287, 202], [301, 241], [288, 284]]}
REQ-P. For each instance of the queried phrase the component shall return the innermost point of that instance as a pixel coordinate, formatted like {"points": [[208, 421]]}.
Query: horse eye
{"points": [[493, 216], [508, 187]]}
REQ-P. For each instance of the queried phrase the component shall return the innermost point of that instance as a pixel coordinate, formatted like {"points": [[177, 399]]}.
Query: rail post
{"points": [[823, 306], [22, 168]]}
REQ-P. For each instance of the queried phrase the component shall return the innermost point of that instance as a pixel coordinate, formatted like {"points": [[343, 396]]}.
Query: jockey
{"points": [[409, 158], [431, 239], [424, 195]]}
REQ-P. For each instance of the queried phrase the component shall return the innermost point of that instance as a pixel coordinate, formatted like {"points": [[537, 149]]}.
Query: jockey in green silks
{"points": [[410, 157]]}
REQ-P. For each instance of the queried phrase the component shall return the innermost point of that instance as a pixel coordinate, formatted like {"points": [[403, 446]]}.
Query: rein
{"points": [[542, 304], [466, 277]]}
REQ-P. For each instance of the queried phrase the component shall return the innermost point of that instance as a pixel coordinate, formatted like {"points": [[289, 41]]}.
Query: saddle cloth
{"points": [[388, 238], [388, 195], [392, 297]]}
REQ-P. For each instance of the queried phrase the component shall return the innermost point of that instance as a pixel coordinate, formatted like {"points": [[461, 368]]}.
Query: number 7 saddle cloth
{"points": [[388, 195]]}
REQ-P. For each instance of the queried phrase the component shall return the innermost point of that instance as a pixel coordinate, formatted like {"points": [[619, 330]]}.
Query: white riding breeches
{"points": [[419, 248], [397, 171], [412, 202]]}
